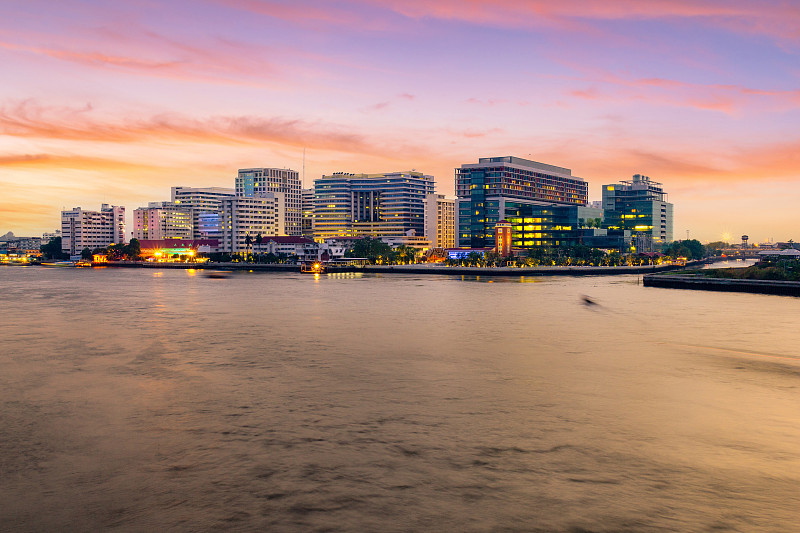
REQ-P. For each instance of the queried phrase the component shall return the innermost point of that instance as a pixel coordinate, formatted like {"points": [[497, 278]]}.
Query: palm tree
{"points": [[248, 242], [259, 241]]}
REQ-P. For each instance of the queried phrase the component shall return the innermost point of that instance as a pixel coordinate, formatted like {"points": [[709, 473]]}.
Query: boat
{"points": [[312, 268], [59, 264]]}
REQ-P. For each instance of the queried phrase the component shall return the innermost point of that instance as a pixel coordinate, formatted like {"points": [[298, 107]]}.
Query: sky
{"points": [[116, 102]]}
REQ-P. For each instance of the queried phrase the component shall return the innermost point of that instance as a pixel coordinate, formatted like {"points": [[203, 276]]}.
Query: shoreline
{"points": [[435, 269]]}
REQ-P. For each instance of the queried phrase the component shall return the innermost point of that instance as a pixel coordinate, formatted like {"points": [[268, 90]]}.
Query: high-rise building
{"points": [[440, 221], [251, 216], [497, 188], [639, 205], [308, 213], [206, 206], [370, 205], [163, 220], [92, 229], [257, 182]]}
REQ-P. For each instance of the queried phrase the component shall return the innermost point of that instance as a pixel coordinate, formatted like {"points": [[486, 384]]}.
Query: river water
{"points": [[144, 400]]}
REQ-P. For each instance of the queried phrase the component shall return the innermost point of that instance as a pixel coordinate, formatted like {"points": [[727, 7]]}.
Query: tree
{"points": [[248, 242], [369, 248], [259, 242], [86, 254], [52, 250], [133, 250]]}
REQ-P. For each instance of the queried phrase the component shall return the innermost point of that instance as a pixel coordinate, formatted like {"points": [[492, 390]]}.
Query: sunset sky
{"points": [[115, 102]]}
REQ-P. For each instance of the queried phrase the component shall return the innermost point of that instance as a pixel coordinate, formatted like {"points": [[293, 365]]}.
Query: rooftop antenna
{"points": [[687, 234]]}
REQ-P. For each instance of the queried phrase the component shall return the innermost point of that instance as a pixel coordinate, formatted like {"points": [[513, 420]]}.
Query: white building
{"points": [[440, 221], [92, 229], [206, 206], [251, 216], [256, 182], [163, 220]]}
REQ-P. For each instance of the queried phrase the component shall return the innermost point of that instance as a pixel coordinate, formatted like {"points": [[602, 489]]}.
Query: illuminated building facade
{"points": [[497, 187], [370, 205], [440, 221], [640, 206], [206, 206], [92, 229], [260, 182], [547, 225], [308, 213], [502, 238], [243, 217], [162, 220]]}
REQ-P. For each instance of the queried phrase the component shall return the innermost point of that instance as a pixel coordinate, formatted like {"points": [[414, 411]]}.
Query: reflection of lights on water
{"points": [[191, 272]]}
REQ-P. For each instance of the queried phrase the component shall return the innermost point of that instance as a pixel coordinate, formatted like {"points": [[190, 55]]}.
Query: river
{"points": [[142, 400]]}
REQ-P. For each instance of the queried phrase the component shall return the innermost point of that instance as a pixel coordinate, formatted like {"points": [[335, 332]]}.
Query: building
{"points": [[370, 205], [498, 188], [163, 220], [291, 246], [440, 221], [640, 206], [206, 206], [307, 208], [167, 249], [92, 229], [244, 217], [259, 182]]}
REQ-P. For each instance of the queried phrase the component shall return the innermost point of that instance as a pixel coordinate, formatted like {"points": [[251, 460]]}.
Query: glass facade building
{"points": [[497, 188], [640, 206], [374, 205]]}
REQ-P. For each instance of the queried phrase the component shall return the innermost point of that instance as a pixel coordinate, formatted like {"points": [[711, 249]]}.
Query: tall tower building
{"points": [[257, 182], [497, 188], [440, 221], [92, 229], [639, 205], [370, 205]]}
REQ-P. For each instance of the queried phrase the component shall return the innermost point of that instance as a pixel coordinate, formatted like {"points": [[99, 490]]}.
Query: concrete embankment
{"points": [[202, 266], [784, 288], [514, 271], [418, 269]]}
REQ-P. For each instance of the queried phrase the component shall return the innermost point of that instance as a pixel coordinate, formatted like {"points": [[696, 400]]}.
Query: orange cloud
{"points": [[27, 119]]}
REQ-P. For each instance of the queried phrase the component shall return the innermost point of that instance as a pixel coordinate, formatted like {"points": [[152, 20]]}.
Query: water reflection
{"points": [[393, 403]]}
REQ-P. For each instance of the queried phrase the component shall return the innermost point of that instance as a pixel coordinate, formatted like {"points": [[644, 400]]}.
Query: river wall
{"points": [[784, 288]]}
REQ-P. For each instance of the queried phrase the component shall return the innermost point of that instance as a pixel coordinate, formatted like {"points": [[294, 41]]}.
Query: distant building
{"points": [[206, 206], [292, 246], [640, 206], [163, 220], [251, 216], [92, 229], [260, 182], [440, 221], [496, 188], [370, 205], [307, 213]]}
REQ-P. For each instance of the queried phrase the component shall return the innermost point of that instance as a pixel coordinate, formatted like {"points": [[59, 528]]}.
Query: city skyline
{"points": [[118, 103]]}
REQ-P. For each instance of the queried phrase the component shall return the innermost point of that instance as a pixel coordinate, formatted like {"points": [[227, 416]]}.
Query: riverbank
{"points": [[438, 269], [693, 282]]}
